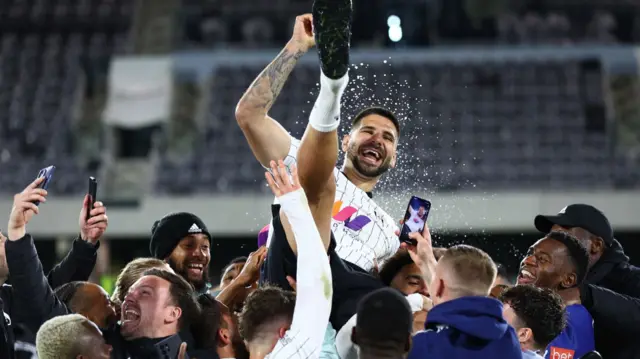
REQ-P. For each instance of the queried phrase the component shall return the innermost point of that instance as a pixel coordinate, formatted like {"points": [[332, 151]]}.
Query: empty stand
{"points": [[535, 123], [42, 46]]}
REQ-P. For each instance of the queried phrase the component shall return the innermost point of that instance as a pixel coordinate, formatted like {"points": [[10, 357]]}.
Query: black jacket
{"points": [[611, 293], [144, 348], [29, 300], [25, 342], [77, 265]]}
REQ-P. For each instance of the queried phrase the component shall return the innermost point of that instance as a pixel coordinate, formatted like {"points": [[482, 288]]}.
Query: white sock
{"points": [[325, 115]]}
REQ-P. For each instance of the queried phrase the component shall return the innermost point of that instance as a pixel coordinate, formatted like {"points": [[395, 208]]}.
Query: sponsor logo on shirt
{"points": [[344, 215], [561, 353]]}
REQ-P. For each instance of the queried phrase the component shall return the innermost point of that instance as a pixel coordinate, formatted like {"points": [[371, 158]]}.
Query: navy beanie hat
{"points": [[167, 232]]}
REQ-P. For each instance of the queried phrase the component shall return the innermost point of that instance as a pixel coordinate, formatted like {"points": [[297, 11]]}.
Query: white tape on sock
{"points": [[325, 115]]}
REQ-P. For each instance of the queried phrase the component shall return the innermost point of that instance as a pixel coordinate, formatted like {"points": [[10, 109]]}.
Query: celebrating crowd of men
{"points": [[313, 288]]}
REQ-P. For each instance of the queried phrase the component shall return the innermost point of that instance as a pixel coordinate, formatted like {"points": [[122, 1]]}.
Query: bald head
{"points": [[71, 336], [463, 271]]}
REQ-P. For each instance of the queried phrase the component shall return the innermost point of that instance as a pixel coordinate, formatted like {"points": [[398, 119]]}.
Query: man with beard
{"points": [[559, 262], [355, 232], [183, 241], [364, 232]]}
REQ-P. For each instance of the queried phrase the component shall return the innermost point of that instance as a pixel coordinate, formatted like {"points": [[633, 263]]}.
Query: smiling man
{"points": [[364, 233], [558, 262], [158, 306], [183, 241]]}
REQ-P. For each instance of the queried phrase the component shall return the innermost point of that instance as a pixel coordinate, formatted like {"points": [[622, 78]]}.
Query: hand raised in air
{"points": [[279, 181]]}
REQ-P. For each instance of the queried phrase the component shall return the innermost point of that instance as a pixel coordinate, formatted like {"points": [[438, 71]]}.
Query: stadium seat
{"points": [[467, 125], [41, 45]]}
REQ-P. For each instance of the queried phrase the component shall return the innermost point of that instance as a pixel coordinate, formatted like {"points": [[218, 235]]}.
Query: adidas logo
{"points": [[195, 229]]}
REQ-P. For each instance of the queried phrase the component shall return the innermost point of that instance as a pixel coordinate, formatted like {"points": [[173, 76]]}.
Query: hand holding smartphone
{"points": [[93, 188], [47, 173], [415, 218]]}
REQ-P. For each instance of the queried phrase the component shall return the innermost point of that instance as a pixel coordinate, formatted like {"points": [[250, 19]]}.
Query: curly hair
{"points": [[393, 266], [539, 309], [264, 306]]}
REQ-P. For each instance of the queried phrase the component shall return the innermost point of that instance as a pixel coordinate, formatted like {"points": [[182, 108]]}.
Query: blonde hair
{"points": [[131, 273], [473, 271], [63, 337]]}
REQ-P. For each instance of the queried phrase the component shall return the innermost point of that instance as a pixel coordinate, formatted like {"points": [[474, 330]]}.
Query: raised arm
{"points": [[268, 140], [314, 289], [78, 264], [33, 300]]}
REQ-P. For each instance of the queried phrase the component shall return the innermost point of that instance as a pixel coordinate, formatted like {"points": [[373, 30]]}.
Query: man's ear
{"points": [[597, 245], [440, 288], [345, 142], [223, 336], [569, 280], [174, 314], [524, 335]]}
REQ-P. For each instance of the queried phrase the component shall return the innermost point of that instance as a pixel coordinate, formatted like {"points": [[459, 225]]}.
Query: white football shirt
{"points": [[314, 289], [364, 232]]}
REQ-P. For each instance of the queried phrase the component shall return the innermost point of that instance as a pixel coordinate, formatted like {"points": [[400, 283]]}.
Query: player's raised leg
{"points": [[318, 150]]}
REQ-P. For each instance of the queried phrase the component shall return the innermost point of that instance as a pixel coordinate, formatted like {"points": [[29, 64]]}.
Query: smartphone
{"points": [[93, 188], [169, 348], [415, 218], [47, 173]]}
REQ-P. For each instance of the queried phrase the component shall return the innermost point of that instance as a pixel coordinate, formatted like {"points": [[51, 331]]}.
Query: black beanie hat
{"points": [[167, 232]]}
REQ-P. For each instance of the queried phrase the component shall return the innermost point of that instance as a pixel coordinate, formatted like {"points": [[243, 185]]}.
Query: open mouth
{"points": [[526, 277], [130, 314], [371, 155], [195, 269]]}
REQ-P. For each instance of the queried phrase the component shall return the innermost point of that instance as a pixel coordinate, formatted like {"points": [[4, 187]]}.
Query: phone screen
{"points": [[415, 218]]}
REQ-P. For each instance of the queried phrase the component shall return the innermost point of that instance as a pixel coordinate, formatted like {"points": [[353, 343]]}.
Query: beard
{"points": [[363, 168], [200, 284]]}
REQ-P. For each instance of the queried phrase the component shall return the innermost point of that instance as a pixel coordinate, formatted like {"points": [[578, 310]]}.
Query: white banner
{"points": [[140, 91]]}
